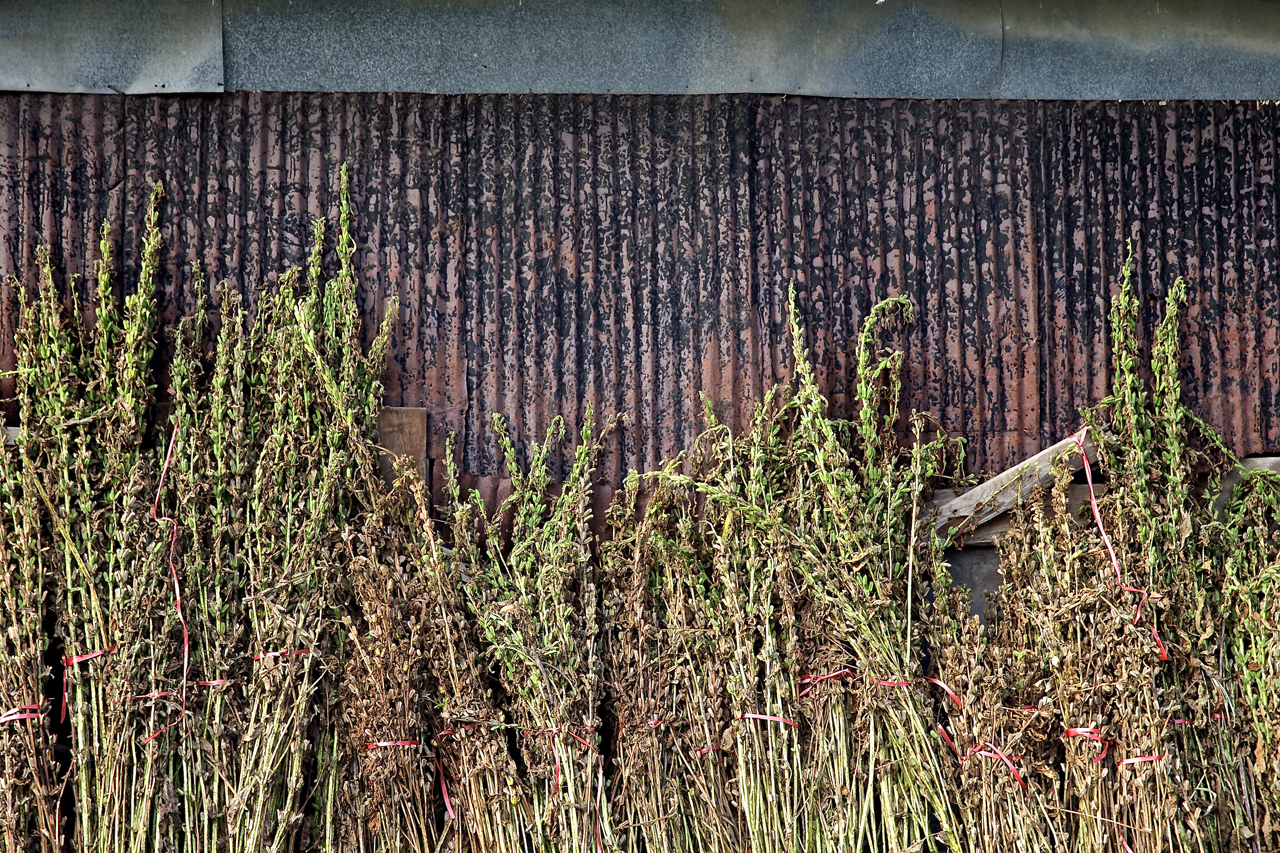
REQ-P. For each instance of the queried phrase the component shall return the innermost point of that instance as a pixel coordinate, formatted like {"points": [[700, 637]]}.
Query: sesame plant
{"points": [[536, 611], [224, 631], [1106, 672]]}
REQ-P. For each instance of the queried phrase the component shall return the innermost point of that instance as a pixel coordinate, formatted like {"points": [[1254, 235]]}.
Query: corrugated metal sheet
{"points": [[634, 253]]}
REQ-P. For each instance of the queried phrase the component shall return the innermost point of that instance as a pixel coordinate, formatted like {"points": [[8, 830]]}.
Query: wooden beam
{"points": [[1003, 491], [989, 533]]}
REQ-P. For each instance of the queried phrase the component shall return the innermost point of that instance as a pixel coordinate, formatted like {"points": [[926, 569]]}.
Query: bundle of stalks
{"points": [[315, 476], [89, 484], [859, 540], [215, 438], [739, 583], [675, 784], [387, 699], [762, 597], [1101, 667], [1248, 742], [479, 783], [536, 611], [29, 786]]}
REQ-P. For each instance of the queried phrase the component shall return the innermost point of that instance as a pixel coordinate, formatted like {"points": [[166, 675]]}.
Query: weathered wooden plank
{"points": [[989, 533], [999, 494], [402, 431], [1233, 479]]}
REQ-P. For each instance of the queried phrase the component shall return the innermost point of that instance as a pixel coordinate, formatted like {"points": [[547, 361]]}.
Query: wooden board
{"points": [[402, 432], [1233, 479], [1003, 491], [989, 533]]}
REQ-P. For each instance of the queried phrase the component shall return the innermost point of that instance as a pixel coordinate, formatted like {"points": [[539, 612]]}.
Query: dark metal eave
{"points": [[972, 49]]}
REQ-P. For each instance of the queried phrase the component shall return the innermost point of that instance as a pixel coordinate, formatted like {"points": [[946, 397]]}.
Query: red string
{"points": [[768, 719], [1097, 517], [954, 697], [984, 750], [20, 713], [814, 680], [1140, 759], [562, 730], [947, 738], [712, 748], [68, 662], [383, 743], [946, 689], [177, 587], [1094, 735], [444, 790], [216, 682], [995, 753]]}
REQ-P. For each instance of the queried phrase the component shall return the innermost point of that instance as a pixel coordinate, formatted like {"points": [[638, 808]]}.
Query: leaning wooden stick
{"points": [[1003, 491]]}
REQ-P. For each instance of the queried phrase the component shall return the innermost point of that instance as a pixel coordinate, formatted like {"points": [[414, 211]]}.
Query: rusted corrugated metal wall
{"points": [[634, 253]]}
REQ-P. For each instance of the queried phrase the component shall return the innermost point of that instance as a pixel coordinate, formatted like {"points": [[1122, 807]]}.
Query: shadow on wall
{"points": [[978, 570]]}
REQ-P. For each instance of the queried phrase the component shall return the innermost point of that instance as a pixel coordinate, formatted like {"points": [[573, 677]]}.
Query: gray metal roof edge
{"points": [[962, 49]]}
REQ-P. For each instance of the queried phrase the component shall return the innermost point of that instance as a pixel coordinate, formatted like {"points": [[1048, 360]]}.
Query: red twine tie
{"points": [[444, 790], [1097, 517], [1094, 735], [1140, 759], [995, 753], [561, 730], [814, 680], [573, 734], [954, 697], [68, 662], [767, 719], [945, 688], [22, 712], [983, 750]]}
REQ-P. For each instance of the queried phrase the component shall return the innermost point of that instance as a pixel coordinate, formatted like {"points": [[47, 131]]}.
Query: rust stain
{"points": [[633, 254]]}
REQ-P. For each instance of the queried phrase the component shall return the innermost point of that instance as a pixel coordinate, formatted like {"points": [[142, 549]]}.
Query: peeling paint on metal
{"points": [[632, 254]]}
